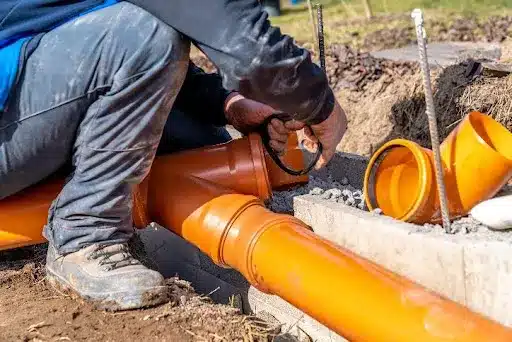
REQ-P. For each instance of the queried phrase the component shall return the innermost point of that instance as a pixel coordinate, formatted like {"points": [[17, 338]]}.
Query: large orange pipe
{"points": [[477, 161], [280, 255]]}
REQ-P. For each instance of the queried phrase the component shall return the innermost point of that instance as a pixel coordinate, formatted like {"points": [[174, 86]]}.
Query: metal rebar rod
{"points": [[320, 24], [313, 25], [417, 15]]}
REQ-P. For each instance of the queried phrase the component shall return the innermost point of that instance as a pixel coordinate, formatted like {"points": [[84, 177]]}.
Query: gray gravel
{"points": [[343, 192], [467, 228], [329, 189]]}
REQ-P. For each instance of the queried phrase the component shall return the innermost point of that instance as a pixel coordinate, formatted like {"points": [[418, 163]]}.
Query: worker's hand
{"points": [[246, 115], [329, 133]]}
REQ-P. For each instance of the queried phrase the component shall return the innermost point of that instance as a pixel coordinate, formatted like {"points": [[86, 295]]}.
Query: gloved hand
{"points": [[246, 115], [329, 133]]}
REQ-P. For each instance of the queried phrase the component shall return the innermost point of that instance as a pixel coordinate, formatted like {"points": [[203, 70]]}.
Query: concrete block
{"points": [[434, 262], [488, 271], [290, 317]]}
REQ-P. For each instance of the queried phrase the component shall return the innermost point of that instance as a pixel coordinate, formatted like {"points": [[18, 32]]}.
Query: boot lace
{"points": [[112, 257]]}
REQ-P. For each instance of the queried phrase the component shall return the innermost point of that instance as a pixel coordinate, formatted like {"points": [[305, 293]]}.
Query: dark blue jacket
{"points": [[253, 57]]}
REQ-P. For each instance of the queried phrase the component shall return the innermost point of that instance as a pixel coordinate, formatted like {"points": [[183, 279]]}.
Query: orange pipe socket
{"points": [[477, 161], [280, 255]]}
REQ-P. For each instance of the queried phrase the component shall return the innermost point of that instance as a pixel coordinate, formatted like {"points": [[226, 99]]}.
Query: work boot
{"points": [[107, 275]]}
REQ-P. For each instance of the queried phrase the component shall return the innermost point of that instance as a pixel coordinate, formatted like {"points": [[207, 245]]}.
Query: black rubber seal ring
{"points": [[263, 130]]}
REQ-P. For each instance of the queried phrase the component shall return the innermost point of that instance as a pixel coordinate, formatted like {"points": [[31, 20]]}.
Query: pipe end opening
{"points": [[395, 181]]}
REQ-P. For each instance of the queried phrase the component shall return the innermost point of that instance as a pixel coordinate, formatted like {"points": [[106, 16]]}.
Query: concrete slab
{"points": [[444, 53], [488, 275]]}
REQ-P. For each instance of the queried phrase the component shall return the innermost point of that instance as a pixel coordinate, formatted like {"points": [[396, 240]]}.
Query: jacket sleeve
{"points": [[252, 56], [202, 96]]}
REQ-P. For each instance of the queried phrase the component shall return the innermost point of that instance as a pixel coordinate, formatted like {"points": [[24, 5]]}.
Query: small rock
{"points": [[344, 181], [332, 194], [350, 201], [316, 191], [377, 211]]}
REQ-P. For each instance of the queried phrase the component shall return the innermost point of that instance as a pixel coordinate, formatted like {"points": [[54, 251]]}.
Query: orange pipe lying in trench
{"points": [[280, 255], [477, 160]]}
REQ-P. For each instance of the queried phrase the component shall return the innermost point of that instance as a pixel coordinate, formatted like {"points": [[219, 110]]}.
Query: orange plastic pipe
{"points": [[23, 215], [240, 164], [280, 255], [477, 161]]}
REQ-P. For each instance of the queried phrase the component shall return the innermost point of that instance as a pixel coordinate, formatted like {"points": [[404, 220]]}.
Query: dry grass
{"points": [[492, 96]]}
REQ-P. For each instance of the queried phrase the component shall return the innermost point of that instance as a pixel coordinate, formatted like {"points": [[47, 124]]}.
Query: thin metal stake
{"points": [[321, 47], [313, 25], [417, 15]]}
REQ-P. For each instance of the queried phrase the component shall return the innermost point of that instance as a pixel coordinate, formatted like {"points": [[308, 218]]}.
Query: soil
{"points": [[32, 310], [393, 106], [460, 29], [350, 69]]}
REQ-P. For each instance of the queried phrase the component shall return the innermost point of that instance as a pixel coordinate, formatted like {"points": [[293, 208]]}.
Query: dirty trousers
{"points": [[97, 91]]}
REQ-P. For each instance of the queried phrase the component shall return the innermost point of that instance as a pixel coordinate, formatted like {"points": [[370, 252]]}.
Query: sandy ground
{"points": [[32, 310]]}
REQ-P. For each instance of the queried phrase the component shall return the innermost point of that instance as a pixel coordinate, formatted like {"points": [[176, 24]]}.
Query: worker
{"points": [[92, 82]]}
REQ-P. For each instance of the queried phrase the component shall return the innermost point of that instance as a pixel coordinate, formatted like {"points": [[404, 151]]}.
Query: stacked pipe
{"points": [[207, 205]]}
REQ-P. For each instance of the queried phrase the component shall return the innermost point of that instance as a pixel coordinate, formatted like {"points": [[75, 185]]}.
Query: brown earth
{"points": [[394, 105], [460, 29], [32, 310]]}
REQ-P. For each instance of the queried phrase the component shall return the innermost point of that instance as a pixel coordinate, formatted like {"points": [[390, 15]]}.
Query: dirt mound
{"points": [[348, 68], [460, 29], [389, 38], [369, 113], [32, 310], [472, 29], [396, 108]]}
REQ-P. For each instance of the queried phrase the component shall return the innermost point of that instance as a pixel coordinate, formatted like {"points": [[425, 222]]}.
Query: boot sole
{"points": [[114, 301]]}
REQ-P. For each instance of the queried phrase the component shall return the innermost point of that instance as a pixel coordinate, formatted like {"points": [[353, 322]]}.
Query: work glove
{"points": [[246, 116]]}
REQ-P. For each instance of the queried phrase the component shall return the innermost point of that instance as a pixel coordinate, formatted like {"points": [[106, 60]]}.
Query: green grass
{"points": [[344, 20]]}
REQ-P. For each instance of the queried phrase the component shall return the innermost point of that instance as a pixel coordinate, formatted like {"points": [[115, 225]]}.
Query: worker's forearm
{"points": [[253, 57], [203, 96]]}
